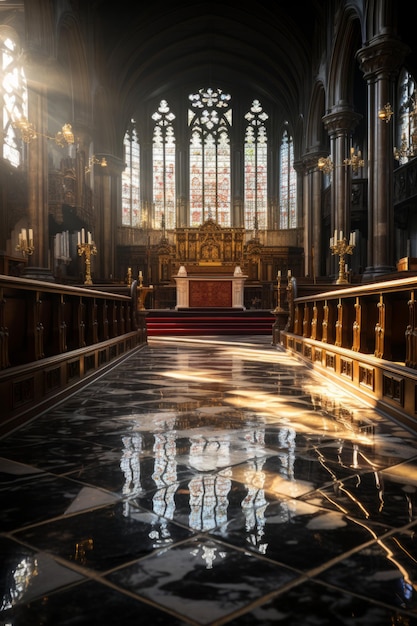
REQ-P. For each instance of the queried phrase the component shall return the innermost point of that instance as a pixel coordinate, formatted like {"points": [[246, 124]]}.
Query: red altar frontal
{"points": [[210, 291]]}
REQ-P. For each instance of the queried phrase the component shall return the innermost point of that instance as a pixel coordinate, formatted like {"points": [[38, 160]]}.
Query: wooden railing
{"points": [[363, 336], [55, 337]]}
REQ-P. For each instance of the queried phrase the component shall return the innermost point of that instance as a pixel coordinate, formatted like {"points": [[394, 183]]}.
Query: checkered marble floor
{"points": [[206, 482]]}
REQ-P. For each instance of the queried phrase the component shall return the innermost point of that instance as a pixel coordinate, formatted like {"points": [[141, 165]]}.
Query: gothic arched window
{"points": [[131, 205], [14, 97], [210, 119], [163, 154], [406, 125], [256, 168], [288, 184]]}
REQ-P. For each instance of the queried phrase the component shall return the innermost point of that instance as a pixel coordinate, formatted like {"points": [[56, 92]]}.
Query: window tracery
{"points": [[288, 180], [406, 127], [256, 168], [131, 204], [210, 189], [163, 158], [14, 97]]}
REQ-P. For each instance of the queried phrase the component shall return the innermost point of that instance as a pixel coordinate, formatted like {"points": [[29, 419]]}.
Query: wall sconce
{"points": [[355, 161], [325, 164], [28, 131], [385, 114], [93, 160], [25, 245]]}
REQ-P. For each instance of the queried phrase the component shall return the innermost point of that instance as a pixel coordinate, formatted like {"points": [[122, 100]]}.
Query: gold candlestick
{"points": [[341, 247], [87, 249], [278, 308]]}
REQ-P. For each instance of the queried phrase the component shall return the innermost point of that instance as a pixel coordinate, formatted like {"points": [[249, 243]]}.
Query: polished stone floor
{"points": [[209, 482]]}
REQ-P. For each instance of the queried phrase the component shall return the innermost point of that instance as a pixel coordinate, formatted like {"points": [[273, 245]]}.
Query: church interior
{"points": [[208, 313]]}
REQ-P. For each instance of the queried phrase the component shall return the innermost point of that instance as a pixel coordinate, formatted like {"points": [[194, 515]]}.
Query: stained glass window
{"points": [[288, 184], [406, 119], [256, 154], [163, 154], [14, 98], [210, 119], [131, 205]]}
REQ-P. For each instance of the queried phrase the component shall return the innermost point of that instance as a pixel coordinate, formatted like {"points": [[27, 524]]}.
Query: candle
{"points": [[30, 236], [79, 238], [279, 273], [335, 235], [82, 235], [89, 237], [289, 274], [140, 273], [341, 235], [24, 234]]}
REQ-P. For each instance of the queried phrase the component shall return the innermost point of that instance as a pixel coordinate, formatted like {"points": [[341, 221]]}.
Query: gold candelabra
{"points": [[406, 150], [278, 308], [355, 161], [342, 247], [93, 160], [385, 114], [63, 137], [88, 248], [25, 245], [142, 292], [325, 164]]}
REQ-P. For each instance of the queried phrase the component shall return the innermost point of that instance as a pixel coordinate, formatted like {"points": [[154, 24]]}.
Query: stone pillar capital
{"points": [[383, 56], [341, 121]]}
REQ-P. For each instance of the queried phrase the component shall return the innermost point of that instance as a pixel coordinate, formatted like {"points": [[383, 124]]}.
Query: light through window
{"points": [[256, 155], [288, 184], [164, 167], [210, 119], [14, 97], [131, 205]]}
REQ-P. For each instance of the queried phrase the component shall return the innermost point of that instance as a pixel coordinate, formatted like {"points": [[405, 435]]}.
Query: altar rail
{"points": [[363, 337], [53, 338]]}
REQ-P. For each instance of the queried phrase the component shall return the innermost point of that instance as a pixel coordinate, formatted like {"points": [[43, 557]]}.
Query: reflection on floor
{"points": [[211, 481]]}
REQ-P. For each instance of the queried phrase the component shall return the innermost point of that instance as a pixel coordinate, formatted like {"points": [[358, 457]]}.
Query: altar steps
{"points": [[209, 322]]}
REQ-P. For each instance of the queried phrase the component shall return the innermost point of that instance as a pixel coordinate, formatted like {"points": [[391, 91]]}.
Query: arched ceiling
{"points": [[153, 49]]}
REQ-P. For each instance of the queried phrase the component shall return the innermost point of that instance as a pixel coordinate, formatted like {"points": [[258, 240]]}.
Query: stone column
{"points": [[107, 198], [312, 221], [39, 264], [380, 62], [340, 123]]}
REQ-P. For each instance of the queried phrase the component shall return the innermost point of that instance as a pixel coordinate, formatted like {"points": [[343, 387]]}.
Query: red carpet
{"points": [[209, 322]]}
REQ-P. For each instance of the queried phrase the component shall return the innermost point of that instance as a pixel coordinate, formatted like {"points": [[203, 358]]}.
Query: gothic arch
{"points": [[316, 138], [72, 58], [342, 67]]}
